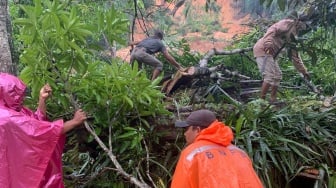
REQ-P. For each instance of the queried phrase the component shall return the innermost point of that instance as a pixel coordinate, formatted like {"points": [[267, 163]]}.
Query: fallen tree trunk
{"points": [[204, 62], [185, 78]]}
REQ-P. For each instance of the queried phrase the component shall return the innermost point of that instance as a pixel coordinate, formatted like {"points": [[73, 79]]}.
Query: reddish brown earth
{"points": [[232, 26]]}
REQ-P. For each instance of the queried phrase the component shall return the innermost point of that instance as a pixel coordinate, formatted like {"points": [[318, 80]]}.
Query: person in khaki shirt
{"points": [[267, 48]]}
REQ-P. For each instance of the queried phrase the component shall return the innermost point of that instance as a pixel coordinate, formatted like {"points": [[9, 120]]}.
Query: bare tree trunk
{"points": [[6, 63]]}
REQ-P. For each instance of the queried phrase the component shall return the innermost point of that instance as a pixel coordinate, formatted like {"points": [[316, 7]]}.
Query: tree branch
{"points": [[204, 62], [114, 159]]}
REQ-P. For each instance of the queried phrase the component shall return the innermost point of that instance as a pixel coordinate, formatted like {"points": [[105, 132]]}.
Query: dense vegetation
{"points": [[133, 142]]}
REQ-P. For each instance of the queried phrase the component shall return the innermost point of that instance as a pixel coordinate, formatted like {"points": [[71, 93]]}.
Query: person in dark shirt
{"points": [[144, 50]]}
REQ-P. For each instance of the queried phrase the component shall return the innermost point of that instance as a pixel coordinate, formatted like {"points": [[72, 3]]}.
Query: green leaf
{"points": [[239, 124], [136, 141], [298, 144], [98, 130], [129, 134], [125, 145], [130, 129], [128, 100], [282, 4]]}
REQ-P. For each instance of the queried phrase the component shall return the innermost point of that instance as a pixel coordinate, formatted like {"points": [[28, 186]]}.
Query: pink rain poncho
{"points": [[30, 146]]}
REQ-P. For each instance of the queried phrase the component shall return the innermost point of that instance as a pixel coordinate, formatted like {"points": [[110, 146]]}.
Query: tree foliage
{"points": [[120, 98]]}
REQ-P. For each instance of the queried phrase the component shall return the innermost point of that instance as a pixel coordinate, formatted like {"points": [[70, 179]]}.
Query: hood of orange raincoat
{"points": [[212, 161], [216, 133]]}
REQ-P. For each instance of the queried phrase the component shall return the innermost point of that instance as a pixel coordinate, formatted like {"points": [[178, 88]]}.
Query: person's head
{"points": [[195, 122], [293, 15], [158, 34], [299, 22], [12, 91]]}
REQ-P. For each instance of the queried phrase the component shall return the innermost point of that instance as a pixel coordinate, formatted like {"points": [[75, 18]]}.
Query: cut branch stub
{"points": [[184, 78]]}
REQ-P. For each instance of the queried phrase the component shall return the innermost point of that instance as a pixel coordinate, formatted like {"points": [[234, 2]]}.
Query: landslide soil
{"points": [[229, 21]]}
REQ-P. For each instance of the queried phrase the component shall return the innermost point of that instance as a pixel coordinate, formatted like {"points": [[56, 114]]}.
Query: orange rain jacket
{"points": [[212, 161]]}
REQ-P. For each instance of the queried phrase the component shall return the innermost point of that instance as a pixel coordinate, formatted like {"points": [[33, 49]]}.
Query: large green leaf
{"points": [[282, 4]]}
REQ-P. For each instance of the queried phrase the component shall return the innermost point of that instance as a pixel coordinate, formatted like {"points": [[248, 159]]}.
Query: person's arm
{"points": [[45, 93], [132, 43], [298, 64], [277, 34], [268, 40], [172, 61], [78, 119]]}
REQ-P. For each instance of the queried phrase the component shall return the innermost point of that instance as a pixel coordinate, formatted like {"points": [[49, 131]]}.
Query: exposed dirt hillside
{"points": [[216, 28]]}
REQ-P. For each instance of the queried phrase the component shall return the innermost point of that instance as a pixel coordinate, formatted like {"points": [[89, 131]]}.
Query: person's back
{"points": [[152, 45], [210, 160], [144, 50], [211, 165], [275, 38]]}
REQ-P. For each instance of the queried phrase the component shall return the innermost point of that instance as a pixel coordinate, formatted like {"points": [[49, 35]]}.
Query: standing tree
{"points": [[6, 63]]}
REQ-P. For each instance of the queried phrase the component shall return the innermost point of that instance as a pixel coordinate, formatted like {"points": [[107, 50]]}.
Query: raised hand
{"points": [[45, 92]]}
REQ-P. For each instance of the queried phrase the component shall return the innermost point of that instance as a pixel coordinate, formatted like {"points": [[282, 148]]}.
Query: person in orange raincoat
{"points": [[209, 159], [30, 145]]}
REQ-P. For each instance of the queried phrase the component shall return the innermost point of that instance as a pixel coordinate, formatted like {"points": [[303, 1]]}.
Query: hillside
{"points": [[203, 30], [231, 25]]}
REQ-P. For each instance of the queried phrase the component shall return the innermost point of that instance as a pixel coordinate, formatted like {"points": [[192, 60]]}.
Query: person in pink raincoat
{"points": [[30, 145]]}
